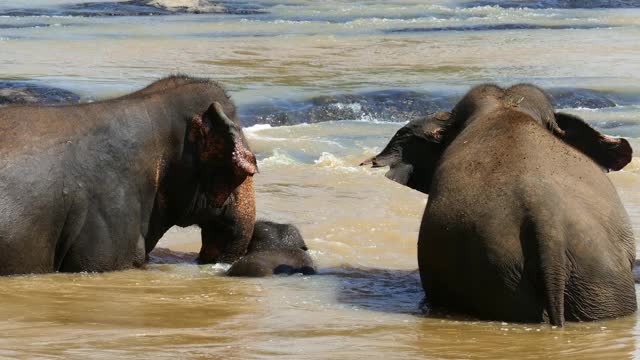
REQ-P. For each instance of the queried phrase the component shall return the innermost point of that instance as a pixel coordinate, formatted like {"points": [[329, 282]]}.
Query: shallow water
{"points": [[361, 227]]}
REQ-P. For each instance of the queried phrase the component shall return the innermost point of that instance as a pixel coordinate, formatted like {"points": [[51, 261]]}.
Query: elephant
{"points": [[93, 187], [521, 224], [274, 249]]}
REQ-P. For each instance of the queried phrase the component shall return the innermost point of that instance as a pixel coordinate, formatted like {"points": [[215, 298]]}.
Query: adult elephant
{"points": [[522, 223], [93, 187]]}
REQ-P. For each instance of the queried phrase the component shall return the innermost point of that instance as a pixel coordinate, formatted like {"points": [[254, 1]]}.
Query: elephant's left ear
{"points": [[609, 152], [413, 151]]}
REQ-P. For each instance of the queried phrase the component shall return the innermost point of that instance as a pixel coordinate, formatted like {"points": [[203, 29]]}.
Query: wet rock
{"points": [[401, 106], [143, 8], [496, 27], [206, 6], [19, 92], [581, 98], [389, 105], [24, 26], [557, 4], [126, 8]]}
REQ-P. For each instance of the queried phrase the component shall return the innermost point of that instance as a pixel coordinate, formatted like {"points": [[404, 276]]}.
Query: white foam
{"points": [[355, 107], [189, 5], [278, 158], [220, 267], [329, 160], [256, 127], [280, 21], [585, 109]]}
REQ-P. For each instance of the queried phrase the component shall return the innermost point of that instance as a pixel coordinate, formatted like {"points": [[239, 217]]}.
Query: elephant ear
{"points": [[412, 153], [609, 152], [223, 153]]}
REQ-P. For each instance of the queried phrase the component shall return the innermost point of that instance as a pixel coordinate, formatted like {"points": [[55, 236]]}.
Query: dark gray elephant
{"points": [[522, 223], [93, 187], [274, 249]]}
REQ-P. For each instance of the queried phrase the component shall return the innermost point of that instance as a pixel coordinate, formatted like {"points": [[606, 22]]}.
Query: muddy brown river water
{"points": [[301, 60]]}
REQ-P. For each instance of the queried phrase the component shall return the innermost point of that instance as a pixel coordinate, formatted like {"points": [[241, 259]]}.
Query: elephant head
{"points": [[211, 186], [222, 156], [413, 152], [227, 165]]}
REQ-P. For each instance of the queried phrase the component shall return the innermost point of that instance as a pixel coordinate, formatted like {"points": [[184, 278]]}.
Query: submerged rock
{"points": [[497, 27], [20, 92], [398, 105], [581, 98], [557, 4], [125, 8], [25, 26], [143, 8], [388, 105], [192, 6]]}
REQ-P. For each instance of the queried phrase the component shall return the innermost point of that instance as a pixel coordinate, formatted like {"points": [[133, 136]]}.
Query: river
{"points": [[321, 86]]}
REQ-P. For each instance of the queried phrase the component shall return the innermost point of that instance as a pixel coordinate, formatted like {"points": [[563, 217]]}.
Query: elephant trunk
{"points": [[226, 239]]}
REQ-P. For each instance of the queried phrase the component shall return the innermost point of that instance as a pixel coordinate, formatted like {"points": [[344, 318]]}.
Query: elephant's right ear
{"points": [[412, 153], [609, 152]]}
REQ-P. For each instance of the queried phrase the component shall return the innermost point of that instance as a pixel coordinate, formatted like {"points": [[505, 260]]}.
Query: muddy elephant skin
{"points": [[522, 223], [93, 187]]}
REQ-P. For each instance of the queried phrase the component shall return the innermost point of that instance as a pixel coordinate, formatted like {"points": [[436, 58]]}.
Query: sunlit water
{"points": [[361, 228]]}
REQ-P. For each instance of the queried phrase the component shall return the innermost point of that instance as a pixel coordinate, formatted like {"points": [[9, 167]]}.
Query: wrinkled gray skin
{"points": [[93, 187], [274, 249], [522, 223]]}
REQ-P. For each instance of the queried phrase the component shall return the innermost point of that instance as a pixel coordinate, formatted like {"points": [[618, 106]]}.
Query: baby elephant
{"points": [[274, 249]]}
